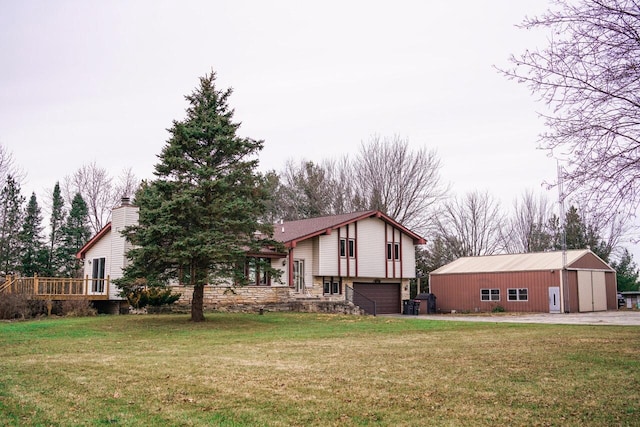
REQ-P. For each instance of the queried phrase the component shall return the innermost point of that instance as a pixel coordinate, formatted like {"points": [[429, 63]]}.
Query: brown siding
{"points": [[461, 292], [571, 303], [589, 261]]}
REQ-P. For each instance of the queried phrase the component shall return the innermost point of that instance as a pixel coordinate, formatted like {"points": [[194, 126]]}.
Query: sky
{"points": [[101, 81]]}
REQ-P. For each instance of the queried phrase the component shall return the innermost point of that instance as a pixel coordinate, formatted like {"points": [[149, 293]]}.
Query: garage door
{"points": [[386, 296]]}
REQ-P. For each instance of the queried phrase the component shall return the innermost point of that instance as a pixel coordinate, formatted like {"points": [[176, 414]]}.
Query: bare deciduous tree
{"points": [[97, 189], [589, 76], [398, 181], [528, 228], [470, 225]]}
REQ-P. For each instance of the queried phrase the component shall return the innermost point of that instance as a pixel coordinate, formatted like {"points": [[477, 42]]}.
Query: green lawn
{"points": [[307, 369]]}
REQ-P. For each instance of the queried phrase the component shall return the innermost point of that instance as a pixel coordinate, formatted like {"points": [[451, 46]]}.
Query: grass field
{"points": [[307, 369]]}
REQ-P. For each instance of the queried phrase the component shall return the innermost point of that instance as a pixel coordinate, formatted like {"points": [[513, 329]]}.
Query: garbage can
{"points": [[431, 304], [416, 307], [405, 306]]}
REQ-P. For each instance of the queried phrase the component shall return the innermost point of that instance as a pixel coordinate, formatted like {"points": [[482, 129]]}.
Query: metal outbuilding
{"points": [[549, 282]]}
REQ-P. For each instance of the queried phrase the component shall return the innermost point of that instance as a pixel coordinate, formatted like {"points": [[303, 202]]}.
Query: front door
{"points": [[298, 275], [554, 299]]}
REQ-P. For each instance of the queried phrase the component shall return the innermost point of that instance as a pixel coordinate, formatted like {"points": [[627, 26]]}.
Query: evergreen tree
{"points": [[11, 202], [626, 273], [575, 230], [75, 233], [33, 255], [201, 215], [54, 262]]}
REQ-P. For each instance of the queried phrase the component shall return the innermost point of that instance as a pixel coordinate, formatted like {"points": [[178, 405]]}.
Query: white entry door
{"points": [[554, 299]]}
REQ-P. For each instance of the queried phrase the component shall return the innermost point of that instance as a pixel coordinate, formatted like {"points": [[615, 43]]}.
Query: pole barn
{"points": [[543, 282]]}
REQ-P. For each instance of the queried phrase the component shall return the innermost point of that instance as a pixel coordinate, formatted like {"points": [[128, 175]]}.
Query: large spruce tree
{"points": [[55, 262], [32, 251], [11, 201], [201, 215], [75, 233]]}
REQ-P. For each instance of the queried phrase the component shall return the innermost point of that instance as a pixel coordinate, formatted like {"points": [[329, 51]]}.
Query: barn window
{"points": [[518, 294], [489, 294]]}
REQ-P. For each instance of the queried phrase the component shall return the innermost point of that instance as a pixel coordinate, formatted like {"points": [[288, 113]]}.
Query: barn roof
{"points": [[537, 261]]}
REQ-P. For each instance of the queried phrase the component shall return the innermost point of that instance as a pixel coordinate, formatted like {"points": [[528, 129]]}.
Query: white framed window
{"points": [[393, 251], [298, 274], [518, 294], [489, 294], [97, 274], [352, 248], [256, 271], [343, 248], [331, 287]]}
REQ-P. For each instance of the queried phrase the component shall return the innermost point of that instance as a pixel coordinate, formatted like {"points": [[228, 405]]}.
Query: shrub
{"points": [[77, 308], [14, 306], [498, 309], [139, 294]]}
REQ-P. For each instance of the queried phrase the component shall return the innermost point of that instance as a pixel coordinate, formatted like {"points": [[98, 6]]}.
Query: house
{"points": [[365, 258], [553, 282], [104, 256]]}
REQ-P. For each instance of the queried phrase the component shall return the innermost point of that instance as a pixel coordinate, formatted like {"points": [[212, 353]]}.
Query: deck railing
{"points": [[57, 287]]}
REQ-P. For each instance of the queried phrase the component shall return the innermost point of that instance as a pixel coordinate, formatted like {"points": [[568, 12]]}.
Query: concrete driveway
{"points": [[617, 317]]}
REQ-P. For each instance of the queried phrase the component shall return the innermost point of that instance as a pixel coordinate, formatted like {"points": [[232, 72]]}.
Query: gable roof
{"points": [[536, 261], [95, 239], [292, 232]]}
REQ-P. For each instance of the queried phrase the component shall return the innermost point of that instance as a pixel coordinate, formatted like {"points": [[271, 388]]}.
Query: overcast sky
{"points": [[84, 81]]}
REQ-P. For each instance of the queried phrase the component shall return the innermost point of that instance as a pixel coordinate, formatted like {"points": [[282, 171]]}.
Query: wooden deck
{"points": [[57, 288]]}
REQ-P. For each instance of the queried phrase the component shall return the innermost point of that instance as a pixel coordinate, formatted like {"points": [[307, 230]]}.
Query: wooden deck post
{"points": [[36, 291], [107, 284]]}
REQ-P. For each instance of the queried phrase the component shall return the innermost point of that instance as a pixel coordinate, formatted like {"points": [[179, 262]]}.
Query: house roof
{"points": [[537, 261], [95, 239], [292, 232]]}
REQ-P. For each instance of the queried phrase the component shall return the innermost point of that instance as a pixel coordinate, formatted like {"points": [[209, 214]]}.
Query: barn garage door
{"points": [[592, 292], [386, 296]]}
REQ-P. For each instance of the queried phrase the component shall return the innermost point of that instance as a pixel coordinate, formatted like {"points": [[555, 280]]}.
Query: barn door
{"points": [[554, 299], [592, 292]]}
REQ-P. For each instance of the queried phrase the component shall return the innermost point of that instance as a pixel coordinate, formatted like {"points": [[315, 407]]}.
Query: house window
{"points": [[352, 248], [256, 271], [489, 294], [331, 287], [518, 294], [298, 275], [97, 284], [393, 251], [343, 248]]}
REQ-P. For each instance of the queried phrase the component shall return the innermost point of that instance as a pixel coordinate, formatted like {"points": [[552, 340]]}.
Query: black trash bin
{"points": [[405, 306], [416, 307], [431, 304]]}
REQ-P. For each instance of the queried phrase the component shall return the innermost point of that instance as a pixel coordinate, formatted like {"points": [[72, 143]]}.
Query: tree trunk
{"points": [[197, 303]]}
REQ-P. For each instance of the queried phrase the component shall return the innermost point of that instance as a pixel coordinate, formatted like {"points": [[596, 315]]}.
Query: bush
{"points": [[498, 309], [14, 306], [77, 308], [140, 295]]}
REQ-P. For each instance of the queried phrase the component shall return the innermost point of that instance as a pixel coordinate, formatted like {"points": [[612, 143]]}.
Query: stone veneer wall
{"points": [[255, 298]]}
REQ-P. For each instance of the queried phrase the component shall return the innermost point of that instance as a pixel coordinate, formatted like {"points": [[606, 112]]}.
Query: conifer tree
{"points": [[201, 215], [11, 202], [33, 255], [75, 234], [54, 262]]}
